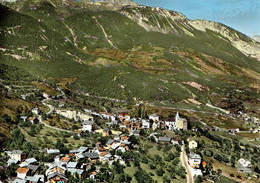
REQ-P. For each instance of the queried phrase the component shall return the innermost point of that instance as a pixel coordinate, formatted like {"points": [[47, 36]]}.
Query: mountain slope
{"points": [[130, 52]]}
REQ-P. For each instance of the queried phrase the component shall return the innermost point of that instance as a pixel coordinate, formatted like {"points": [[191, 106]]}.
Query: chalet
{"points": [[165, 140], [192, 144], [55, 168], [154, 117], [22, 172], [194, 160], [87, 125], [57, 177], [17, 155]]}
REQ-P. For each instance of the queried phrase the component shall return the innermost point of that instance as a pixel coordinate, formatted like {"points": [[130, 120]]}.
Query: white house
{"points": [[196, 172], [145, 124], [192, 144], [154, 117], [17, 155], [87, 125], [194, 160], [22, 172], [36, 111], [170, 123]]}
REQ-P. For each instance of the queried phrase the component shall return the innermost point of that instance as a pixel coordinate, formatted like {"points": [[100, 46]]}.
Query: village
{"points": [[85, 163], [119, 140]]}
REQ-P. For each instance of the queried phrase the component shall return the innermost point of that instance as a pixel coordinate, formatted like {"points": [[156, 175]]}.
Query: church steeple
{"points": [[177, 117]]}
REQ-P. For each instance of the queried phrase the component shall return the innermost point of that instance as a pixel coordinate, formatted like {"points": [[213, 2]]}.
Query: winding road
{"points": [[184, 161]]}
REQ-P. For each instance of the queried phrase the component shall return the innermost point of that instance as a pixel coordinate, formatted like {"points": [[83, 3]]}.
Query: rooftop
{"points": [[164, 139], [22, 170], [66, 159], [72, 165], [82, 149], [53, 151], [89, 122], [194, 156], [16, 152]]}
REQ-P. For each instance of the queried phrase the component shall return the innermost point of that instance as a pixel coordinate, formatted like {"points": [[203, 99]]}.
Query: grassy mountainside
{"points": [[141, 53]]}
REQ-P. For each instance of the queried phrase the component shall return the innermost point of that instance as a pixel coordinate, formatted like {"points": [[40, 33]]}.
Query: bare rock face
{"points": [[243, 43], [257, 38], [164, 21]]}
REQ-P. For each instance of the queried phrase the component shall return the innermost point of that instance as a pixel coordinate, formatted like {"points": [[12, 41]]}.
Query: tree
{"points": [[61, 147], [103, 140], [142, 176], [133, 139], [17, 140], [166, 179], [159, 171]]}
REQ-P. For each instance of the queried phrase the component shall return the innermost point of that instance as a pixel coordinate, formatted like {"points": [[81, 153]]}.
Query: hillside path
{"points": [[184, 161]]}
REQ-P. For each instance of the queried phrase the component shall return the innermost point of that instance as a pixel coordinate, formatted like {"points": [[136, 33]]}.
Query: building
{"points": [[165, 140], [154, 117], [53, 151], [17, 155], [36, 111], [22, 172], [145, 124], [244, 166], [181, 123], [87, 125], [57, 177], [194, 160], [170, 124], [192, 144]]}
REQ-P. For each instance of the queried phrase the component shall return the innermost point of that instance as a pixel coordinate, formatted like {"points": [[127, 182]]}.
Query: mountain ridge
{"points": [[76, 41]]}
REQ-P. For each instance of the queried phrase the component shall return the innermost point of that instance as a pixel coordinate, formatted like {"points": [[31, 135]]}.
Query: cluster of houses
{"points": [[133, 125], [76, 161]]}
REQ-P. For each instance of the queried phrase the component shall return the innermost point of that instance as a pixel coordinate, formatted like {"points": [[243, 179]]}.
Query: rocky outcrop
{"points": [[243, 43], [158, 19]]}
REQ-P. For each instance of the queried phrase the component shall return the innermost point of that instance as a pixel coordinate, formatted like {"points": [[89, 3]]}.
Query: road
{"points": [[55, 128], [184, 161]]}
